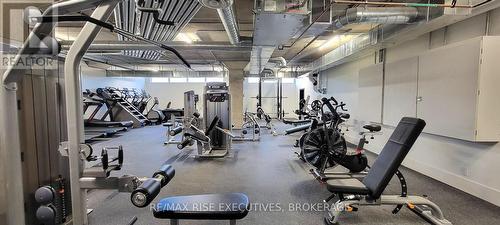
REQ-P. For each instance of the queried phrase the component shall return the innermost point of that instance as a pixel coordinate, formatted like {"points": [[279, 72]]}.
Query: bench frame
{"points": [[421, 206]]}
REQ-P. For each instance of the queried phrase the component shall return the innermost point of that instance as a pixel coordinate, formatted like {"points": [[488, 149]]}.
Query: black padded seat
{"points": [[168, 124], [372, 127], [349, 186], [233, 206]]}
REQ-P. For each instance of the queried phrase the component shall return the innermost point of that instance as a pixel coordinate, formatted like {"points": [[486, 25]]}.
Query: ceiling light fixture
{"points": [[183, 37], [188, 37]]}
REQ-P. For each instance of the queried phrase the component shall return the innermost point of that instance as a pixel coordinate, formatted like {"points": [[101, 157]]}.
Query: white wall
{"points": [[93, 78], [471, 167], [173, 92]]}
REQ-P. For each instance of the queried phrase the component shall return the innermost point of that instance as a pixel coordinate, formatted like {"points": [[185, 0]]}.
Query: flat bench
{"points": [[232, 207]]}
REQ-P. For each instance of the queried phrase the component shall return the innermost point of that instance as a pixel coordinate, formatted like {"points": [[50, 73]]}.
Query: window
{"points": [[196, 80], [288, 80], [271, 81], [253, 80], [159, 80], [178, 80], [215, 79]]}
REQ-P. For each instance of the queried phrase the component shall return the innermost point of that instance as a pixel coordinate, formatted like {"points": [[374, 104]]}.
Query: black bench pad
{"points": [[233, 206], [372, 127], [346, 186]]}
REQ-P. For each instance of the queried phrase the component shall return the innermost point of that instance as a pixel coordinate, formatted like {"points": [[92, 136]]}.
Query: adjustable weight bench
{"points": [[353, 192]]}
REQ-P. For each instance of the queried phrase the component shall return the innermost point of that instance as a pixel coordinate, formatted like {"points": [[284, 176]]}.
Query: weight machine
{"points": [[249, 123], [215, 141]]}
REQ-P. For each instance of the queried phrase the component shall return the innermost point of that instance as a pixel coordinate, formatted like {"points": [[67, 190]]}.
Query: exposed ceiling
{"points": [[206, 28]]}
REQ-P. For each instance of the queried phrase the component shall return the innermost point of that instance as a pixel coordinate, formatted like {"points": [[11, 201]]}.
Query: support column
{"points": [[236, 89]]}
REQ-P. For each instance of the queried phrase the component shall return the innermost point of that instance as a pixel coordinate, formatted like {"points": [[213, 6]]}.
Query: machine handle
{"points": [[166, 173], [184, 143], [212, 125], [146, 193], [334, 100], [176, 131], [328, 104], [149, 189]]}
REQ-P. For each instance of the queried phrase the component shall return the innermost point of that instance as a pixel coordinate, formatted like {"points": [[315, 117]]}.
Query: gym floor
{"points": [[268, 172]]}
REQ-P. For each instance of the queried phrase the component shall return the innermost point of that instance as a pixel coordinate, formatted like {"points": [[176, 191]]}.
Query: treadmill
{"points": [[91, 99]]}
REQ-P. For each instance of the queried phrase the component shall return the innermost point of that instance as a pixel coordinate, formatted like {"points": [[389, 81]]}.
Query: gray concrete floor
{"points": [[268, 172]]}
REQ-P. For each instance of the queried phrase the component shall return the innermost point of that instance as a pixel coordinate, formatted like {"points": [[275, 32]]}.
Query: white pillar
{"points": [[236, 89]]}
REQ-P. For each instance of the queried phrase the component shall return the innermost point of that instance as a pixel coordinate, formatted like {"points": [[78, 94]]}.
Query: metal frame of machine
{"points": [[73, 149]]}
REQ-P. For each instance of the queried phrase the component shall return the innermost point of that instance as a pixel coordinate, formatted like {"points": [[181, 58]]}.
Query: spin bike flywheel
{"points": [[315, 150]]}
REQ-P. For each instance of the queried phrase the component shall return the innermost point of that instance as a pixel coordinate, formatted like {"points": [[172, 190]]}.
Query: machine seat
{"points": [[347, 186], [168, 124], [232, 206], [373, 128]]}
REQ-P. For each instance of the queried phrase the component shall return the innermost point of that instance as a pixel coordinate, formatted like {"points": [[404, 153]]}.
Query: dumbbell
{"points": [[149, 189]]}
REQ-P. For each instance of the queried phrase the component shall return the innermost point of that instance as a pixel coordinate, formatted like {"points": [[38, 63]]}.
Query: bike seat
{"points": [[372, 127], [345, 116], [232, 206]]}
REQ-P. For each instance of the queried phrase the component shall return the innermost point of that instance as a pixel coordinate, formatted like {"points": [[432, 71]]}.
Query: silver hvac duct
{"points": [[279, 60], [268, 71], [380, 15], [144, 25], [227, 16]]}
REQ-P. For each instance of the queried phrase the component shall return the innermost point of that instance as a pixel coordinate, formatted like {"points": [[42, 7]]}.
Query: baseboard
{"points": [[474, 188]]}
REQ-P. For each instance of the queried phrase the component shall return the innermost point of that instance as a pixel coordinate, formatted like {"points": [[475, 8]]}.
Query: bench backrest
{"points": [[392, 155]]}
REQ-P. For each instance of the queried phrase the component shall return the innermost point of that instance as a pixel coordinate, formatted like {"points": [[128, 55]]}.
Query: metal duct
{"points": [[135, 45], [143, 24], [380, 15], [227, 16], [279, 60], [268, 71]]}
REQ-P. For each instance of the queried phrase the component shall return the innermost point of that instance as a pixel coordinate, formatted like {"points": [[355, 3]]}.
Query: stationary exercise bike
{"points": [[324, 146]]}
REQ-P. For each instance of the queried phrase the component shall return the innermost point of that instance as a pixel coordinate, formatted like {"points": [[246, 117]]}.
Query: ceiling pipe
{"points": [[378, 15], [267, 71], [227, 16], [279, 60], [134, 45]]}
